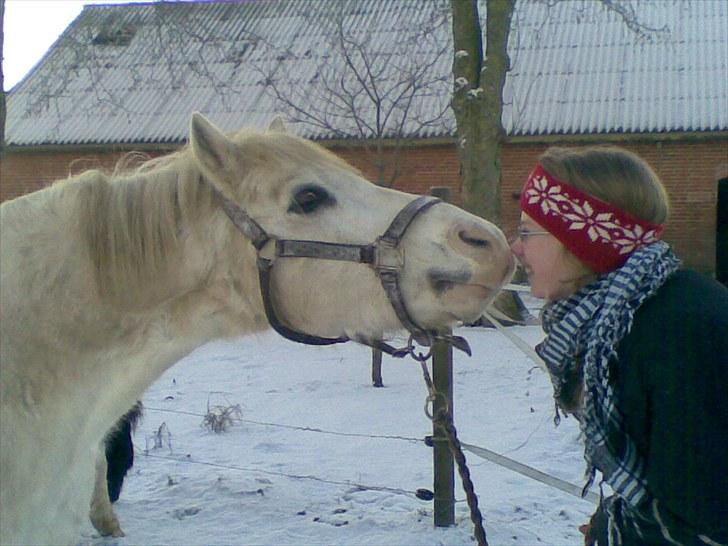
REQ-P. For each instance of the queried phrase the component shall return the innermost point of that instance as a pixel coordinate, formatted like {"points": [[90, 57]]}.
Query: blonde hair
{"points": [[614, 175]]}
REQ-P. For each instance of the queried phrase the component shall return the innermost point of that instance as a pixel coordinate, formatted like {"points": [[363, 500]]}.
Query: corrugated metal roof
{"points": [[579, 69], [133, 73]]}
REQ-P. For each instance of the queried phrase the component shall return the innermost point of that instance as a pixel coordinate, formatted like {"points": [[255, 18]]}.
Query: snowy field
{"points": [[321, 457]]}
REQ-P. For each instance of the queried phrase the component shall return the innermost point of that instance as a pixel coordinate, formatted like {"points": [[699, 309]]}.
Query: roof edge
{"points": [[694, 136], [619, 137]]}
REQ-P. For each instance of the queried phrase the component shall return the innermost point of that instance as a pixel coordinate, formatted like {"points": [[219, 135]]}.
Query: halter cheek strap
{"points": [[264, 272]]}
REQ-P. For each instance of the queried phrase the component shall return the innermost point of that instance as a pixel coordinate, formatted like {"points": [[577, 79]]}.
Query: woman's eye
{"points": [[307, 200]]}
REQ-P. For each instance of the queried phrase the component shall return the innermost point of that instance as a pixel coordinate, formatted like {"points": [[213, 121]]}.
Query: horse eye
{"points": [[308, 199]]}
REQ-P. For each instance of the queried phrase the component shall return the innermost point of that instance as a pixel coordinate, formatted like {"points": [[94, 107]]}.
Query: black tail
{"points": [[120, 450]]}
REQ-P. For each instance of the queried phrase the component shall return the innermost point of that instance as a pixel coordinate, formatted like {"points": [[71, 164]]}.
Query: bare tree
{"points": [[372, 87], [479, 77]]}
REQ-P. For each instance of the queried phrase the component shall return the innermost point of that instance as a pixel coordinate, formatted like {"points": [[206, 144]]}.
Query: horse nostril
{"points": [[442, 285], [472, 241]]}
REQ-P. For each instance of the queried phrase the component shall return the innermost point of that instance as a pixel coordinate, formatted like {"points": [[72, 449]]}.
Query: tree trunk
{"points": [[478, 101], [478, 105]]}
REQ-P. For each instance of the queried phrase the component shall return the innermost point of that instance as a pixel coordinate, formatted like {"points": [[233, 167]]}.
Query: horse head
{"points": [[451, 263]]}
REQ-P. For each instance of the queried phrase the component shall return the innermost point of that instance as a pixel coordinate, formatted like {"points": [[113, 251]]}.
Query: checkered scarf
{"points": [[583, 333]]}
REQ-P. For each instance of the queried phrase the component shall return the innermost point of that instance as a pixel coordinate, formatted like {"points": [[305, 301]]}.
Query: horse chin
{"points": [[466, 302], [460, 303]]}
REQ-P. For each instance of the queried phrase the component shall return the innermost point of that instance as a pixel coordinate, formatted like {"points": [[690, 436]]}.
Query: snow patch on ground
{"points": [[351, 478]]}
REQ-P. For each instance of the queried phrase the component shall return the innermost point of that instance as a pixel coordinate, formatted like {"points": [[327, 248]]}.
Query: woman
{"points": [[637, 348]]}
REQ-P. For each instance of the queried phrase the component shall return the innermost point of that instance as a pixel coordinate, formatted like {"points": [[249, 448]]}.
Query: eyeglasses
{"points": [[523, 234]]}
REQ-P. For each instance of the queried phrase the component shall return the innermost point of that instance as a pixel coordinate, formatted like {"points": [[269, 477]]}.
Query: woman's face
{"points": [[553, 272]]}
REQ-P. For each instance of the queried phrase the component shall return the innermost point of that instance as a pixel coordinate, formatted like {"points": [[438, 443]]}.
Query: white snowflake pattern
{"points": [[581, 216], [549, 197], [635, 238]]}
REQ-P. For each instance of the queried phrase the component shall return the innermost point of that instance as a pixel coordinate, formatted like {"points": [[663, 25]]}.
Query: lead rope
{"points": [[444, 419]]}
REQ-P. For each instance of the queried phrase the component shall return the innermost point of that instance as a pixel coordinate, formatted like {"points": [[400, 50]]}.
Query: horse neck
{"points": [[106, 343], [171, 249]]}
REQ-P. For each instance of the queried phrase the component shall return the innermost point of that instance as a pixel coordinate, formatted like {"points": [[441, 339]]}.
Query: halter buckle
{"points": [[269, 250], [387, 255]]}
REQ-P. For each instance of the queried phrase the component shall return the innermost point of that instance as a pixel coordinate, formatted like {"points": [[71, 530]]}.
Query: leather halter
{"points": [[383, 255]]}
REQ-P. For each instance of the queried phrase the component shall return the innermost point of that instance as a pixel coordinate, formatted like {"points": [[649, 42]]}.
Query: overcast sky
{"points": [[31, 27]]}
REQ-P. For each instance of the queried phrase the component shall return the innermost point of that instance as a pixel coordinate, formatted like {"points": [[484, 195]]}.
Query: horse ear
{"points": [[278, 125], [214, 151]]}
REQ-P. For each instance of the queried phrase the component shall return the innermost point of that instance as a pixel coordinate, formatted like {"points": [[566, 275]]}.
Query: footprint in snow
{"points": [[335, 519], [182, 513]]}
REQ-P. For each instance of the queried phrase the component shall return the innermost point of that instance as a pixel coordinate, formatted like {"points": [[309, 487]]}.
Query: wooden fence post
{"points": [[443, 463]]}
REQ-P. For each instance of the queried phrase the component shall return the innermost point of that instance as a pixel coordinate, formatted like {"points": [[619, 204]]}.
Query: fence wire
{"points": [[498, 459]]}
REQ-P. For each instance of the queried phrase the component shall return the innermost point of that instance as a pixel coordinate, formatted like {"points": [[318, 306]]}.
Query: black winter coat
{"points": [[672, 387]]}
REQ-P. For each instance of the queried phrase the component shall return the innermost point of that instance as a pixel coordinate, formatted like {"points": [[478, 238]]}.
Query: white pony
{"points": [[108, 281]]}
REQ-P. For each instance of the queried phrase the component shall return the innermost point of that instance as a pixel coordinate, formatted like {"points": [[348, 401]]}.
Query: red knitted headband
{"points": [[599, 234]]}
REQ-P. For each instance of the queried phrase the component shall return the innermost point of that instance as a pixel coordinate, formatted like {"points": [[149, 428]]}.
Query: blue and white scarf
{"points": [[583, 333]]}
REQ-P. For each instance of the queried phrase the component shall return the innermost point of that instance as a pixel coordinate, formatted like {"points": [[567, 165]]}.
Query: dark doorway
{"points": [[721, 236]]}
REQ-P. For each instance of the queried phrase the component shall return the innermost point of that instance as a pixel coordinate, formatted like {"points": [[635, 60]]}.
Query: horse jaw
{"points": [[352, 304]]}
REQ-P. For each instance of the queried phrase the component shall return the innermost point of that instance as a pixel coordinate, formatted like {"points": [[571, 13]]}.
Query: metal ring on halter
{"points": [[419, 356]]}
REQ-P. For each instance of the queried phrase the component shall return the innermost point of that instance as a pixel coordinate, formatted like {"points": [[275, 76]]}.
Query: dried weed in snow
{"points": [[219, 418]]}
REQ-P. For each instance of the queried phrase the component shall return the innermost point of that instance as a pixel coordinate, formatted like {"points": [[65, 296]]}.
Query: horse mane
{"points": [[132, 219]]}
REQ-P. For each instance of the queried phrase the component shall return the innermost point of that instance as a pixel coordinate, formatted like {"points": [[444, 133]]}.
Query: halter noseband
{"points": [[383, 255]]}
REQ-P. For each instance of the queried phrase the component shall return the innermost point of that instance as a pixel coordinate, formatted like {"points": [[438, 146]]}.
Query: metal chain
{"points": [[445, 420]]}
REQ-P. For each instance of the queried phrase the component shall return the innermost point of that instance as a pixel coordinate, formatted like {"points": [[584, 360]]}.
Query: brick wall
{"points": [[25, 172], [690, 171], [420, 168]]}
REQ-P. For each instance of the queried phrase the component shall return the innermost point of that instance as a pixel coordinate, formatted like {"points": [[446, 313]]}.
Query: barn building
{"points": [[649, 75]]}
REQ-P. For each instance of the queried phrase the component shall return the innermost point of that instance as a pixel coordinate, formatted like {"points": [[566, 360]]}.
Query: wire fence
{"points": [[350, 484], [484, 453], [303, 429], [419, 493]]}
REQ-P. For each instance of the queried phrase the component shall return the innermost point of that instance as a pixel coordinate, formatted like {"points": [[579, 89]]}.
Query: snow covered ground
{"points": [[322, 457]]}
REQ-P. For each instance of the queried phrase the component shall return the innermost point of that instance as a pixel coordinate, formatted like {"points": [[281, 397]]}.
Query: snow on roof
{"points": [[134, 73]]}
